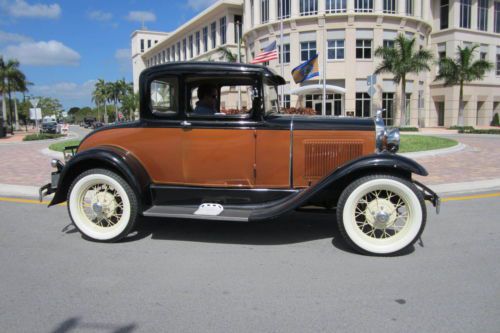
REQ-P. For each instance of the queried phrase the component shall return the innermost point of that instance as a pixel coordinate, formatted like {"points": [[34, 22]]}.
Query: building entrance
{"points": [[333, 105]]}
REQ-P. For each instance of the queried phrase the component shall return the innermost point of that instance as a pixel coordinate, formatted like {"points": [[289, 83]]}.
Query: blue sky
{"points": [[65, 45]]}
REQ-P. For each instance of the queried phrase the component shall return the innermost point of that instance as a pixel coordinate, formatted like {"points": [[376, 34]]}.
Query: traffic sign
{"points": [[371, 91], [34, 102], [371, 80]]}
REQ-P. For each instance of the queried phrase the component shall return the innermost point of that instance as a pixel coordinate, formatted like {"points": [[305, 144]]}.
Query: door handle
{"points": [[185, 123]]}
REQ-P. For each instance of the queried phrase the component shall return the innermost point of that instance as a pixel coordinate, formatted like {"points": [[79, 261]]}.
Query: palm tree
{"points": [[402, 60], [3, 88], [100, 95], [12, 77], [460, 70], [22, 87], [227, 54], [130, 103]]}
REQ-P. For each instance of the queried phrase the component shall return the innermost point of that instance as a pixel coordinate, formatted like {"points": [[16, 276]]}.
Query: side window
{"points": [[164, 96], [221, 100]]}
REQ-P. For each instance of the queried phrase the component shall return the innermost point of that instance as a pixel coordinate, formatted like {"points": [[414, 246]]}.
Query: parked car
{"points": [[51, 127], [255, 164], [97, 124]]}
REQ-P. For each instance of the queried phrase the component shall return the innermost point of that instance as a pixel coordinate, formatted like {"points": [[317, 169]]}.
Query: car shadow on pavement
{"points": [[296, 227]]}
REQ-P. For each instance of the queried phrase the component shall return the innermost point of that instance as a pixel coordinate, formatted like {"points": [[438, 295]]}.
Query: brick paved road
{"points": [[480, 160], [24, 164]]}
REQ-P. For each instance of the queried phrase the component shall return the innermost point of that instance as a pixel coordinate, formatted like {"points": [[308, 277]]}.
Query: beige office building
{"points": [[345, 34]]}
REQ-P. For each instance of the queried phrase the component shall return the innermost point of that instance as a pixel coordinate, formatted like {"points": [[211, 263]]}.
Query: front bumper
{"points": [[430, 195], [51, 187]]}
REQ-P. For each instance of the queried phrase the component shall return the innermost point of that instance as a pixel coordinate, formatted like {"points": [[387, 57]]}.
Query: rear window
{"points": [[164, 96]]}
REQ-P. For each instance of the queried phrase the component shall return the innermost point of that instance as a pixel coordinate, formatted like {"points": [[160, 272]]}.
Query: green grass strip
{"points": [[59, 146], [412, 143]]}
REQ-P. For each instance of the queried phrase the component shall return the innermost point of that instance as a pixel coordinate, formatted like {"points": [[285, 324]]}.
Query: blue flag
{"points": [[306, 70]]}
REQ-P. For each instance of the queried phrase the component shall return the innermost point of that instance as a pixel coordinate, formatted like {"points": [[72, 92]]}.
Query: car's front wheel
{"points": [[102, 205], [381, 214]]}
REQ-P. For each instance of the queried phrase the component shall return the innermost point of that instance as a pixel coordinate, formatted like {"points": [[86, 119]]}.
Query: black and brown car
{"points": [[245, 161]]}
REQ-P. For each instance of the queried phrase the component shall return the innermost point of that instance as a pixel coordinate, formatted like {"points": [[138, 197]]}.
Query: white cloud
{"points": [[69, 93], [8, 37], [141, 16], [51, 53], [199, 4], [98, 15], [124, 59], [20, 8]]}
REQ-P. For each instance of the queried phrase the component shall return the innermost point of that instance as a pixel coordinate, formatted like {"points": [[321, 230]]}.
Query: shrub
{"points": [[496, 120], [408, 129], [480, 131], [463, 129], [42, 136]]}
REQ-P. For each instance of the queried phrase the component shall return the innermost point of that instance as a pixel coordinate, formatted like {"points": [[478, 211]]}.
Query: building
{"points": [[348, 32]]}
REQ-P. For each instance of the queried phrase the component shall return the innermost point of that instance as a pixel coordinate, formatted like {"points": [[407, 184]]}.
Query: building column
{"points": [[401, 7], [486, 113], [349, 6], [378, 7], [491, 17], [426, 9], [417, 9], [454, 15], [321, 7], [470, 109], [273, 10], [295, 8], [473, 12], [230, 27]]}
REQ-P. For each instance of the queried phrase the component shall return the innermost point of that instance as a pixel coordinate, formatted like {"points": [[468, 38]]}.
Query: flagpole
{"points": [[282, 51], [324, 64], [239, 59]]}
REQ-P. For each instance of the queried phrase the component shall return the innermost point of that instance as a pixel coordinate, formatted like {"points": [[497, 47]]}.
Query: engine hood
{"points": [[301, 122]]}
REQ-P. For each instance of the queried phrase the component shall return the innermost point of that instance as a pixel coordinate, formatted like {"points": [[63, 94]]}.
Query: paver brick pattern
{"points": [[480, 160]]}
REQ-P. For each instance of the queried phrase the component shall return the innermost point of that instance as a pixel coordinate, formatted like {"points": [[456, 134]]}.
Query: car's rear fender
{"points": [[108, 157], [331, 185]]}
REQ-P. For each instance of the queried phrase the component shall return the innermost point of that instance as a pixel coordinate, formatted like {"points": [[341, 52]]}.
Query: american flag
{"points": [[268, 53]]}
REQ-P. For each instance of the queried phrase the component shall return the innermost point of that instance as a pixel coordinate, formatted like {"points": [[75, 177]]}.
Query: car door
{"points": [[219, 150]]}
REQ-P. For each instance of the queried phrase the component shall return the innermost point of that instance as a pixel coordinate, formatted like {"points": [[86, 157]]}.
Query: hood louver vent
{"points": [[323, 156]]}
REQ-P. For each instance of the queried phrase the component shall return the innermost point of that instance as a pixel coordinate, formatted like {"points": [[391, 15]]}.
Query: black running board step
{"points": [[187, 212]]}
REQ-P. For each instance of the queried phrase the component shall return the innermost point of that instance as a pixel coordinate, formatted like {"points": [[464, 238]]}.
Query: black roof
{"points": [[200, 67]]}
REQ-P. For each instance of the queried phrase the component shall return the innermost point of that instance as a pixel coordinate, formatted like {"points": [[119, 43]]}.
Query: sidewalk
{"points": [[472, 167]]}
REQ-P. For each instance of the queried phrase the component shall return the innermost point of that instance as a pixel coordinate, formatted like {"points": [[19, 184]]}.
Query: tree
{"points": [[11, 77], [100, 96], [402, 60], [50, 106], [460, 70], [130, 104], [3, 89], [227, 54]]}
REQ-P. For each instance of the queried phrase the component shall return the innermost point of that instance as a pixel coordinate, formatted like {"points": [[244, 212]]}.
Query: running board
{"points": [[188, 212]]}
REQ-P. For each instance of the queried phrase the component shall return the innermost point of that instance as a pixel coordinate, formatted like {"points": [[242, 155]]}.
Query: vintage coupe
{"points": [[247, 161]]}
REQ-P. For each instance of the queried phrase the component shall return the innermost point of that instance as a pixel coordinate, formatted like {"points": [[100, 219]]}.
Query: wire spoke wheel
{"points": [[102, 205], [381, 214]]}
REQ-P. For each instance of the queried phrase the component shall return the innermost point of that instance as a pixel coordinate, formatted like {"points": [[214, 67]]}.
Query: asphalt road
{"points": [[293, 275]]}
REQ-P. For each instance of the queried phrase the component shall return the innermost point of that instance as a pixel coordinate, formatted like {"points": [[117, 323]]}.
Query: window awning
{"points": [[317, 89]]}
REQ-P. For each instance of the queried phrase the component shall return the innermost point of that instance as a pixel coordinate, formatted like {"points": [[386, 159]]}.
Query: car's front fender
{"points": [[110, 157], [337, 180]]}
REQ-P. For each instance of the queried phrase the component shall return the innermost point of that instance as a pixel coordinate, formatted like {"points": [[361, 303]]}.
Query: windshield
{"points": [[271, 100]]}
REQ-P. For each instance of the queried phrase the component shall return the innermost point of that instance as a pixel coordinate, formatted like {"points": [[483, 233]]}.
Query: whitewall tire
{"points": [[381, 214], [102, 205]]}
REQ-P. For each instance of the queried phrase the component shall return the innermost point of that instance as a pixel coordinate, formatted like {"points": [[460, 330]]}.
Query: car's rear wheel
{"points": [[381, 214], [102, 205]]}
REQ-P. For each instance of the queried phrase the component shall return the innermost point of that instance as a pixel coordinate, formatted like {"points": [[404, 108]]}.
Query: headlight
{"points": [[386, 139]]}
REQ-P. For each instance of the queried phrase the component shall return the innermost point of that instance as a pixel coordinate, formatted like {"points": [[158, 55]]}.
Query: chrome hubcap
{"points": [[381, 214]]}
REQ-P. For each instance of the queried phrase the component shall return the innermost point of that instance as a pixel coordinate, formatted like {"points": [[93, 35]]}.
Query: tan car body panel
{"points": [[246, 158]]}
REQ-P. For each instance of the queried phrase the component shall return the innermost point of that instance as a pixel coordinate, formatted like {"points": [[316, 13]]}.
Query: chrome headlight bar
{"points": [[386, 139]]}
